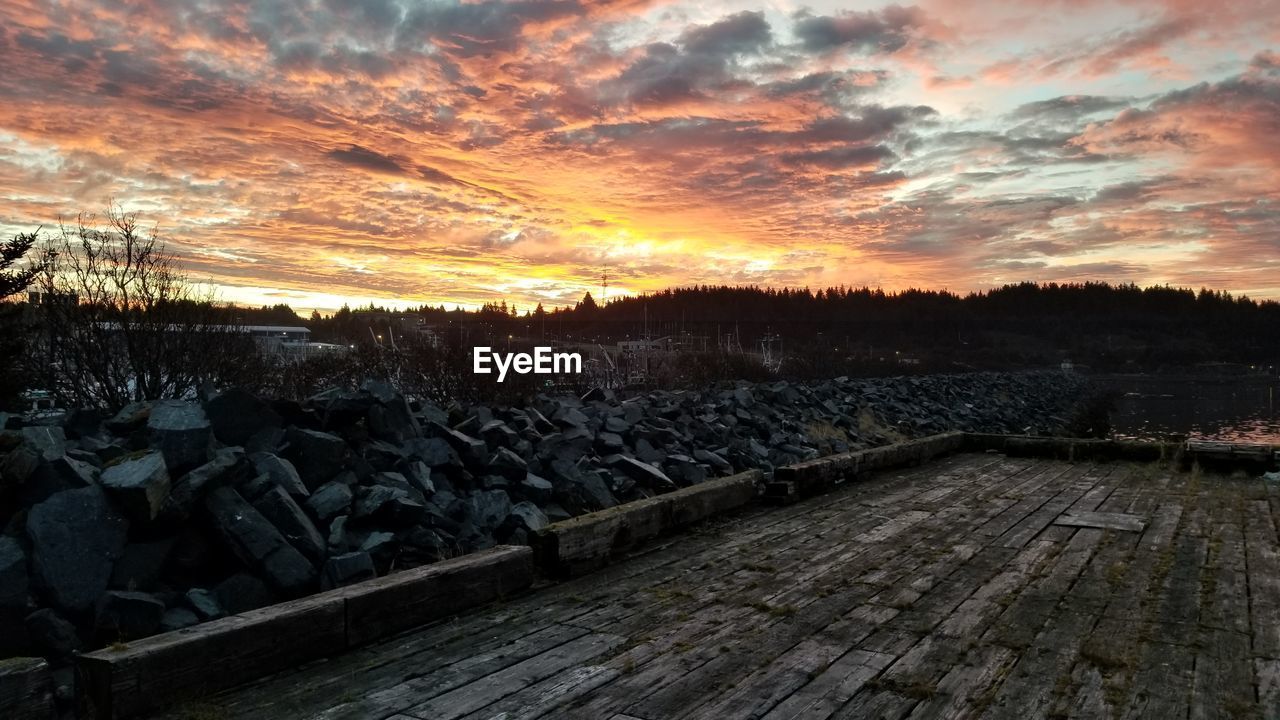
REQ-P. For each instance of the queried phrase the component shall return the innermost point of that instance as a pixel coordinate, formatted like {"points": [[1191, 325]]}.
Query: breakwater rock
{"points": [[171, 513]]}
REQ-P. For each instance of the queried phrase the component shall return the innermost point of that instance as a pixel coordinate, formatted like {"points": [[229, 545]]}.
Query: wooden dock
{"points": [[977, 585]]}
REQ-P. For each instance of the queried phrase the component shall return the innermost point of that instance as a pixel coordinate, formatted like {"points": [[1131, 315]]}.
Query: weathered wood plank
{"points": [[1104, 521], [26, 689]]}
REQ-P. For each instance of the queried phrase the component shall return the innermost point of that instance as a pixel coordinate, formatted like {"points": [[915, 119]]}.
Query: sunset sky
{"points": [[321, 151]]}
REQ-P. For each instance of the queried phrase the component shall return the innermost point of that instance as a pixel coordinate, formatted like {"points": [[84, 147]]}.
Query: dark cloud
{"points": [[365, 158], [745, 32], [842, 157], [885, 31], [1070, 107]]}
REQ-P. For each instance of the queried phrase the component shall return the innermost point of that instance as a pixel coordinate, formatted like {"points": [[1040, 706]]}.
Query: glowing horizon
{"points": [[405, 152]]}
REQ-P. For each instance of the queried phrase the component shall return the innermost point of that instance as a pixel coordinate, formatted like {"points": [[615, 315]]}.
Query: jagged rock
{"points": [[338, 534], [53, 635], [527, 516], [140, 565], [49, 442], [418, 474], [140, 485], [276, 506], [489, 508], [646, 452], [641, 472], [14, 582], [318, 456], [391, 419], [497, 434], [204, 604], [713, 459], [537, 489], [243, 592], [131, 417], [76, 537], [381, 547], [570, 417], [187, 490], [371, 500], [329, 501], [177, 619], [122, 615], [610, 442], [508, 464], [281, 472], [181, 432], [686, 470], [258, 544], [435, 452], [346, 569], [236, 415], [617, 425], [578, 491], [471, 450], [51, 476]]}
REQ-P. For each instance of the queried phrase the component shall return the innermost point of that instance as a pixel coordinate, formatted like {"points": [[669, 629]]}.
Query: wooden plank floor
{"points": [[943, 591]]}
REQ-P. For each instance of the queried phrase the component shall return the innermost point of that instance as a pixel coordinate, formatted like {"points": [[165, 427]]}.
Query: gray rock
{"points": [[276, 506], [187, 490], [498, 434], [49, 442], [177, 619], [392, 421], [578, 491], [181, 431], [537, 489], [648, 453], [435, 452], [471, 450], [52, 476], [140, 486], [346, 569], [610, 442], [337, 539], [528, 516], [281, 472], [204, 604], [14, 582], [615, 424], [76, 537], [371, 500], [508, 464], [236, 415], [318, 456], [643, 473], [489, 508], [131, 417], [258, 544], [713, 459], [121, 615], [53, 634], [329, 501]]}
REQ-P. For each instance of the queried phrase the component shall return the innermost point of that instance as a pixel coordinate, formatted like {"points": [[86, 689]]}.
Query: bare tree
{"points": [[121, 322]]}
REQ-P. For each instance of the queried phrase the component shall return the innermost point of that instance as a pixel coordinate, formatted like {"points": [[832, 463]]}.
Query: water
{"points": [[1242, 409]]}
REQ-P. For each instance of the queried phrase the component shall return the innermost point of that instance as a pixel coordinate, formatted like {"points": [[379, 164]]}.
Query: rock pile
{"points": [[171, 513]]}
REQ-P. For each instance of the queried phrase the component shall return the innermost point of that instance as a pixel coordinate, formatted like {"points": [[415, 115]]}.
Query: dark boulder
{"points": [[139, 485], [281, 472], [53, 635], [122, 615], [76, 537], [346, 569], [205, 604], [187, 490], [643, 473], [181, 431], [177, 619], [276, 506], [131, 417], [258, 544], [318, 456], [236, 415], [329, 501]]}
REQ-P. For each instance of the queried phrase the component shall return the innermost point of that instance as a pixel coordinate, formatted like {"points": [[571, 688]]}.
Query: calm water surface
{"points": [[1231, 409]]}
